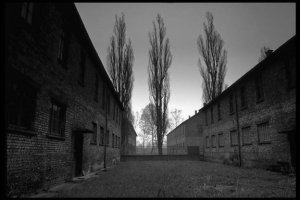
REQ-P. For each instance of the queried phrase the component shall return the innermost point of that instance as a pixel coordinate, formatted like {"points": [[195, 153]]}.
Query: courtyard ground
{"points": [[182, 179]]}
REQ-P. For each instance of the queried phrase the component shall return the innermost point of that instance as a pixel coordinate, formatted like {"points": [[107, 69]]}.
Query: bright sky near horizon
{"points": [[244, 27]]}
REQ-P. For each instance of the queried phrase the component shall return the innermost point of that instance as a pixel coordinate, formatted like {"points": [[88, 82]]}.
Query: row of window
{"points": [[115, 143], [62, 57], [259, 92], [263, 133], [243, 99]]}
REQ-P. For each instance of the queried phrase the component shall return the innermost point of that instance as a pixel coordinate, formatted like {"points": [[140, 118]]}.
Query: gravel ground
{"points": [[183, 179]]}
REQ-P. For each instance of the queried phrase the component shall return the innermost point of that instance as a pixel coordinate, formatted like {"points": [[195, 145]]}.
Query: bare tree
{"points": [[147, 122], [120, 62], [215, 59], [264, 52], [176, 117], [160, 59]]}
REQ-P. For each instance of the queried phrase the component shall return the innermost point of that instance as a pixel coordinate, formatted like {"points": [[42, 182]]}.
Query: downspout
{"points": [[238, 129]]}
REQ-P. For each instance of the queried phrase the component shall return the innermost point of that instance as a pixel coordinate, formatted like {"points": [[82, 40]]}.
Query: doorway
{"points": [[78, 147]]}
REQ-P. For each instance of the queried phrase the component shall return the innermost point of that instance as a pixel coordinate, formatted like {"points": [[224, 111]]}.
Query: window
{"points": [[116, 141], [107, 137], [96, 88], [290, 67], [219, 111], [21, 101], [233, 138], [221, 140], [94, 137], [61, 46], [57, 119], [213, 141], [243, 97], [113, 140], [27, 11], [259, 89], [263, 133], [231, 104], [212, 114], [101, 135], [206, 118], [82, 69], [207, 141], [246, 135]]}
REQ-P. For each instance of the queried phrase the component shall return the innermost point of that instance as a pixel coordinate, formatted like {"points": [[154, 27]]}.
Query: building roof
{"points": [[261, 65], [75, 21]]}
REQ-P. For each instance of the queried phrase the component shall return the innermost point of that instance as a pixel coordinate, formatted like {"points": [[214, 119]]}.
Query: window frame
{"points": [[258, 134], [231, 141], [243, 135], [219, 144], [61, 120]]}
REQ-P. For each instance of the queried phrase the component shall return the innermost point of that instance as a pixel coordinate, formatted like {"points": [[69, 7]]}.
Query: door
{"points": [[78, 146]]}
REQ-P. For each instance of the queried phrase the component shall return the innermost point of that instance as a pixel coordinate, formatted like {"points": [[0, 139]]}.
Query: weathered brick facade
{"points": [[35, 157], [266, 125]]}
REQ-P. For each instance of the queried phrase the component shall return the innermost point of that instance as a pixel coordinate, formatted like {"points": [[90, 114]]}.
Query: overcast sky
{"points": [[244, 27]]}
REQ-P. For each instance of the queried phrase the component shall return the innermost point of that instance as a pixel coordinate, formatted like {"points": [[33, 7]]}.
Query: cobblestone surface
{"points": [[182, 179]]}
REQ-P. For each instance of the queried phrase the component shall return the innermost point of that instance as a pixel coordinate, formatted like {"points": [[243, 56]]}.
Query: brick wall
{"points": [[34, 159]]}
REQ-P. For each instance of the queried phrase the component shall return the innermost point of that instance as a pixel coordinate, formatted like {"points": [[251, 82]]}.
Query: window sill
{"points": [[55, 137], [20, 130]]}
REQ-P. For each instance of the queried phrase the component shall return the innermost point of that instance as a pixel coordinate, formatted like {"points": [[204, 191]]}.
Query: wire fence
{"points": [[149, 150]]}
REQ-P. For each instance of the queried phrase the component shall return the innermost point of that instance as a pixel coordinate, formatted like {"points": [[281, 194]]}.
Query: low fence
{"points": [[149, 150], [160, 157]]}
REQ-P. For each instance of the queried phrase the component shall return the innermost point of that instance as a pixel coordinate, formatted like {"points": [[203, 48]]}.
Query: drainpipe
{"points": [[104, 153], [238, 129]]}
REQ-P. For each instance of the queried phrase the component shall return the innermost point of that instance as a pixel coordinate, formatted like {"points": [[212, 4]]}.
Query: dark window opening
{"points": [[233, 138], [57, 119], [21, 101], [27, 12], [101, 136], [94, 137]]}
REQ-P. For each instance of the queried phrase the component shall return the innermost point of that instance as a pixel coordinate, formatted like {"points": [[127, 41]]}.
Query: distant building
{"points": [[57, 92], [128, 138], [256, 116]]}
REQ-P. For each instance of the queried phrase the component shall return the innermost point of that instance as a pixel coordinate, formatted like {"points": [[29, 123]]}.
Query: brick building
{"points": [[185, 138], [255, 118], [57, 92], [128, 138]]}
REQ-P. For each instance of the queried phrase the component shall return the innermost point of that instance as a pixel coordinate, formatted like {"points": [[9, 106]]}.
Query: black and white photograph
{"points": [[150, 99]]}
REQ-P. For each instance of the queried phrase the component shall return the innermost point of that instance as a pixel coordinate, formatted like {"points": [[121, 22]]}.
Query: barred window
{"points": [[264, 133], [246, 133], [27, 12], [101, 135], [221, 140], [213, 141], [57, 119], [233, 138], [207, 141], [94, 137], [21, 101]]}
